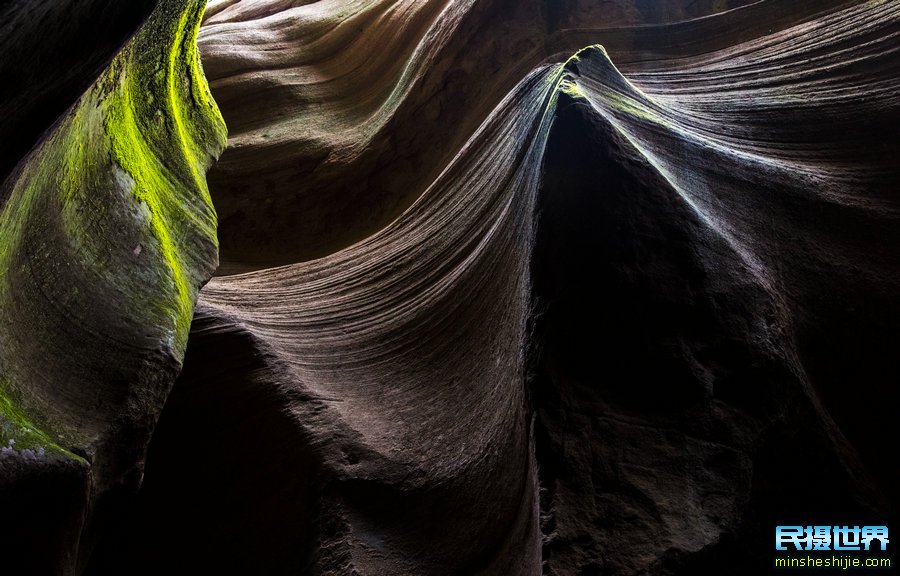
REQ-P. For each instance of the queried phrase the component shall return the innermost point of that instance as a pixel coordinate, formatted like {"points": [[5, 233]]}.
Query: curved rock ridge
{"points": [[106, 237], [634, 322], [347, 111], [776, 132], [484, 308], [362, 353]]}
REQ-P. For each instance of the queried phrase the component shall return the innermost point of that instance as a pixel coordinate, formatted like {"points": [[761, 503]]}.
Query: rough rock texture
{"points": [[511, 305], [107, 233]]}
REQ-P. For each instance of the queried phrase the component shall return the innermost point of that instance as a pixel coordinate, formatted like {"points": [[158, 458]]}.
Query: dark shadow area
{"points": [[231, 485], [51, 52], [671, 421]]}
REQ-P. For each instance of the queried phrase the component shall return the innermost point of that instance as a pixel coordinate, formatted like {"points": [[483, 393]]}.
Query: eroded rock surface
{"points": [[609, 335], [510, 305]]}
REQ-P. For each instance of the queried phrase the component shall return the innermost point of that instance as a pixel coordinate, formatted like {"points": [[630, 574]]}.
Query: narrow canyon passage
{"points": [[503, 287]]}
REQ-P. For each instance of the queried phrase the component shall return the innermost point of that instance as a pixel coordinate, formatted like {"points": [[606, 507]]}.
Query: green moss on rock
{"points": [[106, 238], [17, 432]]}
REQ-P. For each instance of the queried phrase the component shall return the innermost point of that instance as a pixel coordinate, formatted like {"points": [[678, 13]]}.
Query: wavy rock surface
{"points": [[345, 112], [107, 234], [604, 324], [504, 310]]}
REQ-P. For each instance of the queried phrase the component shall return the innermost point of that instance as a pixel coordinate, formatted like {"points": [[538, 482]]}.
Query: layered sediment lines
{"points": [[490, 302], [595, 338], [401, 362], [347, 111]]}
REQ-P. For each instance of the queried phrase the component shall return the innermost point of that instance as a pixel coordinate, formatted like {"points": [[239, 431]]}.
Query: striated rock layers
{"points": [[485, 307]]}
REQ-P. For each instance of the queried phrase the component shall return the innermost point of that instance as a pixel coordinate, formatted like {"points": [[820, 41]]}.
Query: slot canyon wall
{"points": [[466, 287]]}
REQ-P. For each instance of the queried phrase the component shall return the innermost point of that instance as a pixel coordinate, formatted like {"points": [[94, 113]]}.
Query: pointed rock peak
{"points": [[594, 64]]}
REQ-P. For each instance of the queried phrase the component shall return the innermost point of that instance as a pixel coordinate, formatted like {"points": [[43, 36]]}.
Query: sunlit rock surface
{"points": [[561, 288]]}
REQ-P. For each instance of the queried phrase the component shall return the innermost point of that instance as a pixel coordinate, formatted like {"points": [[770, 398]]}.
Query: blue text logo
{"points": [[838, 538]]}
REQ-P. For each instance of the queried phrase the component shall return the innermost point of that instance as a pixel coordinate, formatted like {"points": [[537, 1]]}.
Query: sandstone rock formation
{"points": [[561, 288]]}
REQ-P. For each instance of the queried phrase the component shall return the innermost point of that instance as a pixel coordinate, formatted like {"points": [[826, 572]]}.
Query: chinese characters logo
{"points": [[831, 538]]}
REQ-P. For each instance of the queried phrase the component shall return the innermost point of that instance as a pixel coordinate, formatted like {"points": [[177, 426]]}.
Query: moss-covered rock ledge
{"points": [[106, 237]]}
